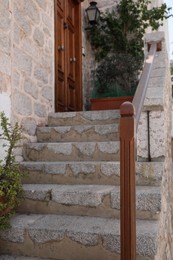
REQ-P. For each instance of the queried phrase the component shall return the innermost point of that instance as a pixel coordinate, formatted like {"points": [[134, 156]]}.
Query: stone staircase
{"points": [[72, 199]]}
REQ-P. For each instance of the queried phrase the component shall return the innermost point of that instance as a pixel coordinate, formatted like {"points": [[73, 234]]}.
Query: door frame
{"points": [[78, 22]]}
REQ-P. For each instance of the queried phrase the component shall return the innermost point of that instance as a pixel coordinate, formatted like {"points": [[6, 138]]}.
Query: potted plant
{"points": [[118, 43], [10, 174]]}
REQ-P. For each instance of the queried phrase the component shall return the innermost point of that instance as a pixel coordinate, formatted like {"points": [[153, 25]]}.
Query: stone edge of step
{"points": [[85, 230]]}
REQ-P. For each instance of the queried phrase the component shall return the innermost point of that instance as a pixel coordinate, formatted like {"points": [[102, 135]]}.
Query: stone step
{"points": [[147, 173], [74, 237], [72, 151], [84, 118], [17, 257], [91, 200], [78, 133]]}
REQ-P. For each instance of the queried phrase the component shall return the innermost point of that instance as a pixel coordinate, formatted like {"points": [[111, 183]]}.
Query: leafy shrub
{"points": [[10, 175], [119, 36]]}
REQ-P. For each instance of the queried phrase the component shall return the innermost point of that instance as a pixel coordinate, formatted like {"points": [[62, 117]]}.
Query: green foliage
{"points": [[10, 175], [171, 67], [121, 32], [121, 81]]}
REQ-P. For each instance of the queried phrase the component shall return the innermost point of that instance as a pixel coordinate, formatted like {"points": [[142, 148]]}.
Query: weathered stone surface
{"points": [[14, 257], [85, 117], [154, 98], [38, 192], [41, 74], [82, 168], [87, 231], [78, 133], [47, 61], [31, 10], [23, 55], [50, 228], [91, 172], [39, 37], [108, 147], [31, 48], [5, 63], [86, 148], [5, 43], [108, 129], [22, 104], [31, 88], [29, 125], [47, 22], [42, 4], [16, 79], [63, 151], [47, 93], [5, 18], [109, 169], [149, 173], [17, 232], [147, 199], [21, 20], [40, 110], [83, 195], [22, 61]]}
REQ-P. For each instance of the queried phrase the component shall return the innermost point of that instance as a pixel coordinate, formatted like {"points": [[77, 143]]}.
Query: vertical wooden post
{"points": [[127, 182]]}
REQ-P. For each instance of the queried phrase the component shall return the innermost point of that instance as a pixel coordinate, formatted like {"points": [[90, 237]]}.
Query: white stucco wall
{"points": [[5, 106]]}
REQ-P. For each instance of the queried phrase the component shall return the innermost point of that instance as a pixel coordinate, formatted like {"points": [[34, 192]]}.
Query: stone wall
{"points": [[157, 96], [88, 63], [32, 62], [158, 102], [27, 62]]}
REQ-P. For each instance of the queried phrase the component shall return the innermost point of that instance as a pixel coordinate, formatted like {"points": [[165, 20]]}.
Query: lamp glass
{"points": [[93, 12]]}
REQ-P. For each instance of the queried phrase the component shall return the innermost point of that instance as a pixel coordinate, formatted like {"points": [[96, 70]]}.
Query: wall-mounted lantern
{"points": [[93, 14]]}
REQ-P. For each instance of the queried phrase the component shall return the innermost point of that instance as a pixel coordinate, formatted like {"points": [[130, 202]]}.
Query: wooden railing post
{"points": [[127, 182]]}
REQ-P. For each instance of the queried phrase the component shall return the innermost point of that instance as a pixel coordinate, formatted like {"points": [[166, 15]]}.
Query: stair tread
{"points": [[78, 128], [86, 230], [16, 257], [72, 151], [65, 157], [71, 142], [96, 172], [84, 117], [148, 198], [78, 132], [92, 187]]}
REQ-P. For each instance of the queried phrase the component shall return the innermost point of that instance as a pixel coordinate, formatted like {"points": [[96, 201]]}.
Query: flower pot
{"points": [[109, 103]]}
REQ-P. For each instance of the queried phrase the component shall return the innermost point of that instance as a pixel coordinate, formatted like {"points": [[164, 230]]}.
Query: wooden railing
{"points": [[130, 115]]}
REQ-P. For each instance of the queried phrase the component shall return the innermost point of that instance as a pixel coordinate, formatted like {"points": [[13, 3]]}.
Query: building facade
{"points": [[46, 60]]}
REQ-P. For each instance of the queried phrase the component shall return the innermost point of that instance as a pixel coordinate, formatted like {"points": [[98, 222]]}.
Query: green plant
{"points": [[121, 81], [120, 33], [10, 174]]}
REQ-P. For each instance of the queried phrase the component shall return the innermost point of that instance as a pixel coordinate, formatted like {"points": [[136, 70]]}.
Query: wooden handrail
{"points": [[141, 90], [130, 115]]}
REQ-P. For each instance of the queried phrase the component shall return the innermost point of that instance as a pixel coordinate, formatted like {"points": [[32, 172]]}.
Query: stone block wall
{"points": [[32, 62], [158, 102], [27, 62]]}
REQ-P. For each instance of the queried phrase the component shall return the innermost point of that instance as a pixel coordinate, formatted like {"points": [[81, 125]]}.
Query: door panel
{"points": [[71, 56], [68, 93]]}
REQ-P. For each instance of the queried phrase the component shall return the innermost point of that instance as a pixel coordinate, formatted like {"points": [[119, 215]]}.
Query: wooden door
{"points": [[68, 57]]}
